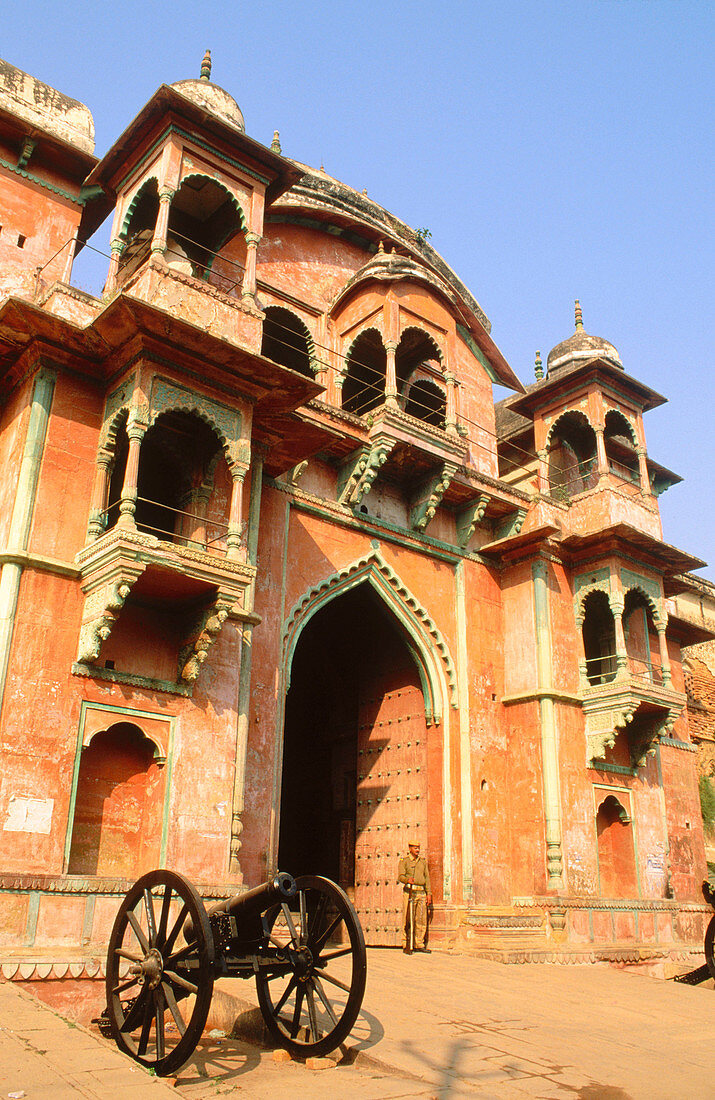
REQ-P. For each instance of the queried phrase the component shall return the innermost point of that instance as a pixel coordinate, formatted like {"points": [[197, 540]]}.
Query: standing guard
{"points": [[413, 873]]}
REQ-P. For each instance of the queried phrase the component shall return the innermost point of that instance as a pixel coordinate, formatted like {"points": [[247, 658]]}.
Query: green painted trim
{"points": [[42, 564], [89, 907], [76, 199], [69, 827], [284, 672], [33, 912], [615, 769], [542, 693], [478, 353], [549, 740], [170, 687], [328, 227], [168, 778]]}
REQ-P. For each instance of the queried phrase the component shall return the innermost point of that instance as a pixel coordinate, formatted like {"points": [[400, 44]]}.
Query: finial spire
{"points": [[579, 315], [276, 143], [538, 367], [206, 66]]}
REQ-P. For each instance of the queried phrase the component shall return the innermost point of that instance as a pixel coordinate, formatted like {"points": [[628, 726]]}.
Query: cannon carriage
{"points": [[299, 938]]}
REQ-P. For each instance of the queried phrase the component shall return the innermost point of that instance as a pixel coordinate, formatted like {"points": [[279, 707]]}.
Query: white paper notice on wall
{"points": [[29, 815]]}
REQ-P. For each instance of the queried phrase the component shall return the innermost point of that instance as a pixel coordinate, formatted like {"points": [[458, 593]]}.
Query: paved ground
{"points": [[432, 1026]]}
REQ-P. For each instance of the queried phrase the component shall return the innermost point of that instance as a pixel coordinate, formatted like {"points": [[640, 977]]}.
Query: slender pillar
{"points": [[543, 475], [22, 512], [643, 471], [158, 244], [116, 249], [100, 492], [664, 657], [128, 502], [617, 606], [549, 741], [451, 418], [602, 457], [235, 520], [391, 374], [244, 681], [248, 288]]}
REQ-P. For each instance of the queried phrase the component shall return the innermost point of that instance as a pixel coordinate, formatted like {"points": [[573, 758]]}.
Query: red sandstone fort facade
{"points": [[282, 585]]}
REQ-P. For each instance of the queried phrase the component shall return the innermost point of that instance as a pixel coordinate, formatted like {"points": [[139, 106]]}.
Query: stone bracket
{"points": [[360, 471], [101, 611], [426, 501], [469, 518], [204, 633], [512, 525]]}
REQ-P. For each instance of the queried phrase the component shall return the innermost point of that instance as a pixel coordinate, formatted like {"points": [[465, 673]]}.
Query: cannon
{"points": [[702, 973], [300, 939]]}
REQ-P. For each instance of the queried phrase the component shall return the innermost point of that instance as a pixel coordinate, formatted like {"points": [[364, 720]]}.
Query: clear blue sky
{"points": [[554, 150]]}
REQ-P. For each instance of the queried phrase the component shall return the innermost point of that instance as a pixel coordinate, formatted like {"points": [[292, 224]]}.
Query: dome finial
{"points": [[538, 367], [276, 143], [206, 66], [579, 315]]}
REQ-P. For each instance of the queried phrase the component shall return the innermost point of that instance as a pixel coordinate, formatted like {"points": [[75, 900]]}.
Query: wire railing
{"points": [[172, 532], [603, 669]]}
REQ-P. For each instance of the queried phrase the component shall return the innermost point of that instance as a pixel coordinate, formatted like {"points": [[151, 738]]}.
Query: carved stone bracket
{"points": [[360, 472], [204, 634], [512, 525], [101, 611], [469, 518], [427, 500], [602, 727]]}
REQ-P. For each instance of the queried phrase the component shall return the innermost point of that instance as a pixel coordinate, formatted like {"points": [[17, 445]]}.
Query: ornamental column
{"points": [[235, 519], [128, 502], [158, 244], [116, 248], [248, 287], [451, 417], [643, 471], [391, 374], [543, 475], [100, 492], [617, 606], [602, 457], [664, 657]]}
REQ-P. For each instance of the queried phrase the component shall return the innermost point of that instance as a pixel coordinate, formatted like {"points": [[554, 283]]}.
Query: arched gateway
{"points": [[363, 747]]}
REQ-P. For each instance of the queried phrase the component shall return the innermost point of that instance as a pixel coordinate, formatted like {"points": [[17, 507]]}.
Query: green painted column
{"points": [[22, 512], [464, 741], [547, 721], [244, 683]]}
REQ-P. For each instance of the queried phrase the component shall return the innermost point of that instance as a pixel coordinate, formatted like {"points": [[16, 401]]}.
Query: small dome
{"points": [[580, 347], [213, 99]]}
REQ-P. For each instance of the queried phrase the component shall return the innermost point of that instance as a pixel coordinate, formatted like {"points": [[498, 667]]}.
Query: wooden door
{"points": [[391, 794]]}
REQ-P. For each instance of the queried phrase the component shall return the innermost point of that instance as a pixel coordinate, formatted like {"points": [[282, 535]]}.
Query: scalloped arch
{"points": [[135, 199], [425, 642], [583, 595], [195, 410], [160, 750], [368, 328], [428, 336], [567, 412], [233, 197], [306, 331], [656, 611], [108, 435], [616, 414]]}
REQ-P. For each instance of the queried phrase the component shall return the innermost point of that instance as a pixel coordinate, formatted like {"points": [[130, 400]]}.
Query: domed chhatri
{"points": [[579, 348], [211, 97]]}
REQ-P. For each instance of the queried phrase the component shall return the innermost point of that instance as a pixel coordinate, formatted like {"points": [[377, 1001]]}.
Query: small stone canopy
{"points": [[580, 346], [213, 99], [46, 109]]}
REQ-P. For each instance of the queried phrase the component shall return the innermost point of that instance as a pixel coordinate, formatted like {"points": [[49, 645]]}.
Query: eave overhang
{"points": [[622, 538], [599, 370], [169, 104]]}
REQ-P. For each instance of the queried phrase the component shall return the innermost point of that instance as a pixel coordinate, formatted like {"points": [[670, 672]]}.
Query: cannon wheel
{"points": [[159, 986], [310, 1007], [710, 947]]}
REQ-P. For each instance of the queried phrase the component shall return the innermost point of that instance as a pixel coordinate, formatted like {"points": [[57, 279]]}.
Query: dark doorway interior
{"points": [[338, 665]]}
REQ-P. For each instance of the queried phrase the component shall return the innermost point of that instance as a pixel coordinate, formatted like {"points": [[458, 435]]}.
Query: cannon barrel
{"points": [[247, 907]]}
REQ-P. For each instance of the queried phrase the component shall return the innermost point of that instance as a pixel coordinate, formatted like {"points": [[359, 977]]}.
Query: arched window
{"points": [[426, 402], [616, 850], [138, 229], [366, 363], [204, 217], [642, 647], [572, 456], [286, 340], [118, 806], [599, 639], [415, 348], [620, 446]]}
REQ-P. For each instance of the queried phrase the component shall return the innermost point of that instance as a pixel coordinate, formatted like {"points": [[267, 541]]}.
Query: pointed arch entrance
{"points": [[359, 745]]}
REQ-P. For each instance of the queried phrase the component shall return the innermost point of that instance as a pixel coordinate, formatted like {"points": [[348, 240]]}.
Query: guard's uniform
{"points": [[418, 871]]}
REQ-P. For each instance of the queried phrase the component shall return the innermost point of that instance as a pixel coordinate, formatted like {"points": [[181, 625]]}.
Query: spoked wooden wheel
{"points": [[159, 981], [311, 996], [710, 947]]}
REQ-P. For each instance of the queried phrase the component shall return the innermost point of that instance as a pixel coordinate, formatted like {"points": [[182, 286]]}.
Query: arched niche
{"points": [[286, 340], [365, 367], [415, 348], [138, 227], [204, 217], [426, 401], [616, 848], [118, 806], [640, 615]]}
